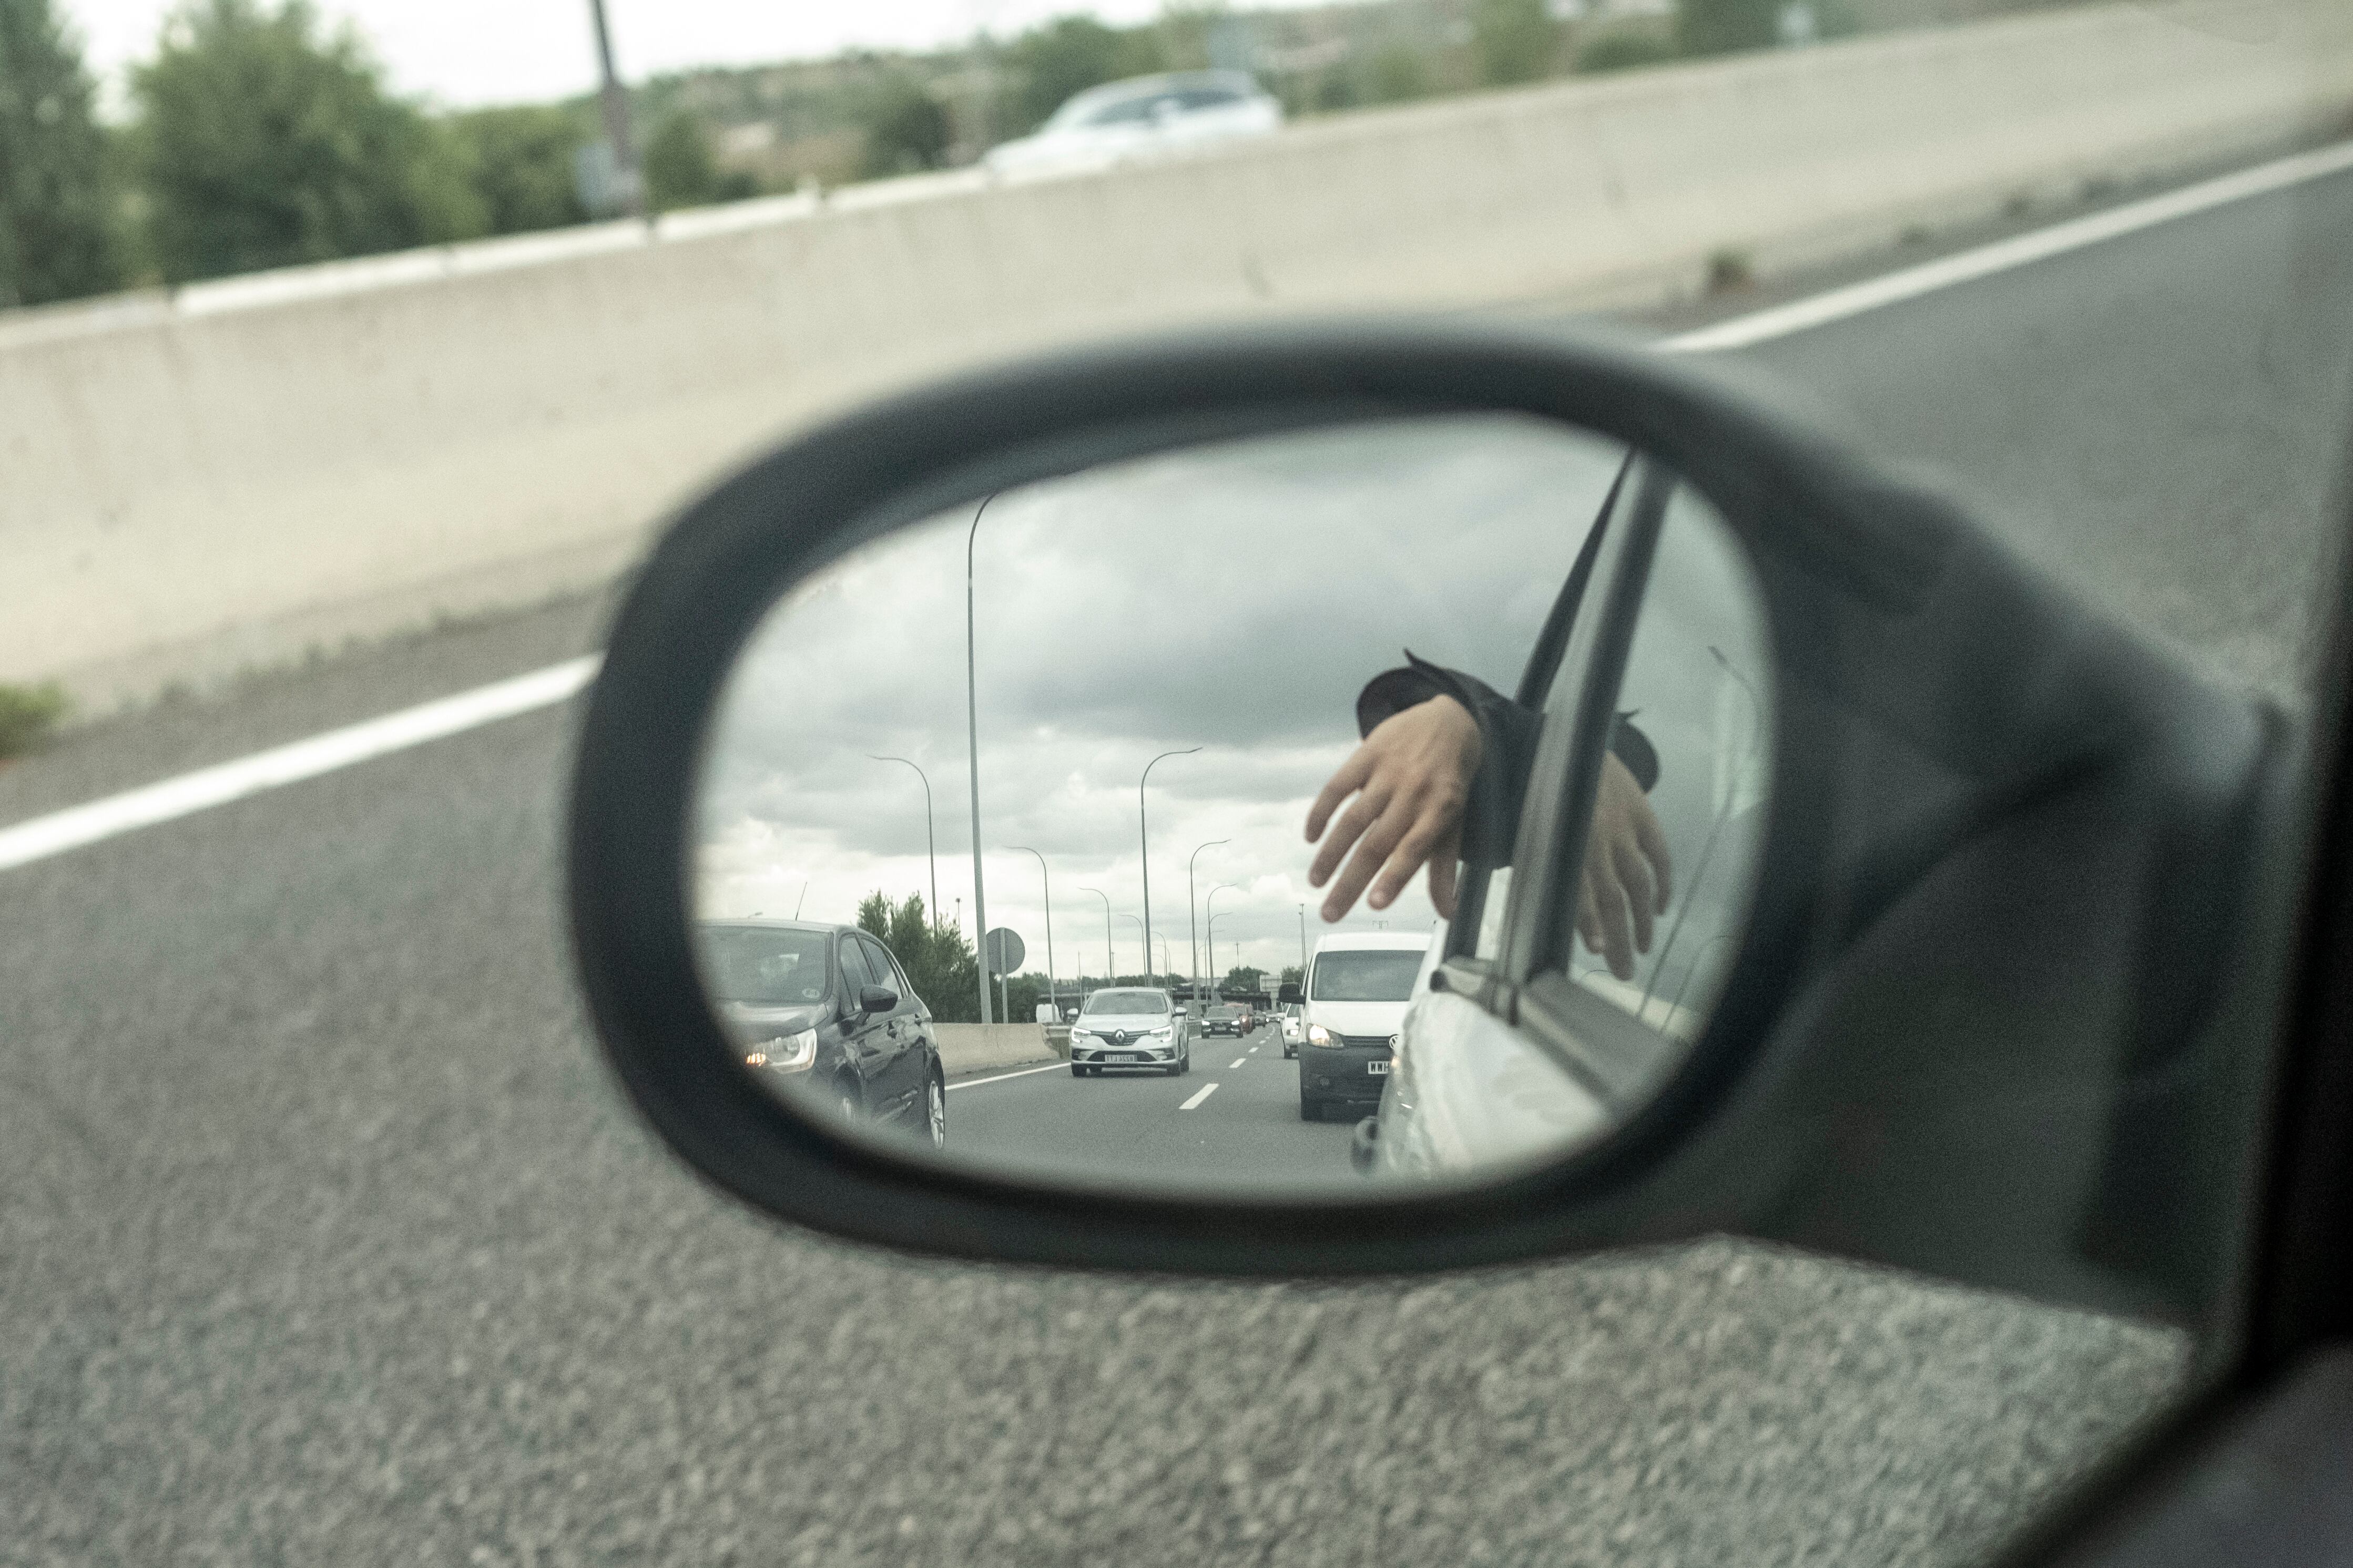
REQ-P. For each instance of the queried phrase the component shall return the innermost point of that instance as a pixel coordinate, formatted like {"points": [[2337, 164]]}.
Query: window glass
{"points": [[855, 975], [1679, 819], [763, 964], [1127, 1003], [878, 960], [1364, 974]]}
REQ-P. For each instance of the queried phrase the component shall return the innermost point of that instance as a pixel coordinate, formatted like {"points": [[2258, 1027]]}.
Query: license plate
{"points": [[1127, 1059], [1379, 1070]]}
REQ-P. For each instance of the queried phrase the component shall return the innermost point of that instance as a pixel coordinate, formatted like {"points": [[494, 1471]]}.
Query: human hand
{"points": [[1627, 880], [1411, 778]]}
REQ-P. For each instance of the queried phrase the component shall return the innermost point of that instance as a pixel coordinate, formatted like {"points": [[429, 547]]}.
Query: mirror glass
{"points": [[1003, 821]]}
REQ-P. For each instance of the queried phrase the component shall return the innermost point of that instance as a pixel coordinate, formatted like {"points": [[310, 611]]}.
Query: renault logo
{"points": [[1393, 1041], [1119, 1037]]}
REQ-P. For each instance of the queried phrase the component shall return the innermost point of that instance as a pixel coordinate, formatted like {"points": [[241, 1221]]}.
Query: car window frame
{"points": [[1472, 885]]}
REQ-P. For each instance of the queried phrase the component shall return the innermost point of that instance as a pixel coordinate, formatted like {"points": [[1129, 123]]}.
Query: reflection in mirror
{"points": [[1001, 821]]}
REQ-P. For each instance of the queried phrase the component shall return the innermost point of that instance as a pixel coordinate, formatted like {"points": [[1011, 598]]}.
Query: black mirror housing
{"points": [[1956, 728], [878, 999]]}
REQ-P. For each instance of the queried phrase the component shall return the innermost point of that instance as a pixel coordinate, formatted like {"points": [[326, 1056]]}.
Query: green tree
{"points": [[1513, 40], [57, 233], [940, 963], [1241, 978], [1720, 26], [263, 142], [1397, 73], [907, 128], [1071, 54], [680, 170], [520, 161], [1624, 51]]}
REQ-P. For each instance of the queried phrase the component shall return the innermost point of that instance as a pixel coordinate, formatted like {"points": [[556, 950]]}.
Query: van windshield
{"points": [[1367, 974]]}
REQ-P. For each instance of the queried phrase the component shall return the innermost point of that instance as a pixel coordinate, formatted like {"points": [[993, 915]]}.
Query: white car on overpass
{"points": [[1142, 117]]}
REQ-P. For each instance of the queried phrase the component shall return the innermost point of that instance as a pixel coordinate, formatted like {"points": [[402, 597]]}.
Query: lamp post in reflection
{"points": [[931, 840], [972, 743], [1141, 937], [1192, 917], [1212, 944], [1210, 908], [1302, 954], [1110, 965], [1048, 884], [1144, 835]]}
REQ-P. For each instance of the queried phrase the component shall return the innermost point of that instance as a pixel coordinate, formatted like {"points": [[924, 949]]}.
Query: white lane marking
{"points": [[1893, 287], [1207, 1090], [1238, 1061], [78, 825], [206, 787], [1000, 1078]]}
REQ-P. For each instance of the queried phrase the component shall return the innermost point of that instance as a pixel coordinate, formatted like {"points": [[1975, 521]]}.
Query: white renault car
{"points": [[1142, 117], [1359, 984], [1129, 1026]]}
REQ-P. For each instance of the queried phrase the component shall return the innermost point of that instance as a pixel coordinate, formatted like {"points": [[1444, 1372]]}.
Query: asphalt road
{"points": [[1230, 1124], [325, 1238]]}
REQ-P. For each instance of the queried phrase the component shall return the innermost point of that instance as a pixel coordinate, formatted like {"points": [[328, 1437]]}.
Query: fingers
{"points": [[1653, 842], [1615, 922], [1361, 813], [1383, 836], [1412, 852], [1445, 863], [1641, 892], [1344, 784]]}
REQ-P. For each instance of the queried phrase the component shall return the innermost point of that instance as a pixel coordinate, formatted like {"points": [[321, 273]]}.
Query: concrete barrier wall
{"points": [[266, 464], [964, 1047]]}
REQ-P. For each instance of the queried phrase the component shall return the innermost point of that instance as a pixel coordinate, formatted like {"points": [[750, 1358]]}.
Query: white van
{"points": [[1355, 995]]}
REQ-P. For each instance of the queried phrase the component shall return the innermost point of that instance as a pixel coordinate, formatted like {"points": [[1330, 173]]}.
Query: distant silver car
{"points": [[1142, 117]]}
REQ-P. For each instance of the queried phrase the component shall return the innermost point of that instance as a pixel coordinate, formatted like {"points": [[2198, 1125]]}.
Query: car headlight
{"points": [[1079, 1034], [1159, 1034], [1318, 1035], [786, 1053]]}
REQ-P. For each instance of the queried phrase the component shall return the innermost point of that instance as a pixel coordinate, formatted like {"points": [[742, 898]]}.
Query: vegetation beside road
{"points": [[258, 137]]}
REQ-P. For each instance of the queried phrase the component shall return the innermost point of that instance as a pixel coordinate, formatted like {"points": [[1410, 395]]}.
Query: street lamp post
{"points": [[1210, 908], [1111, 965], [1302, 952], [1046, 883], [1212, 944], [931, 839], [614, 101], [1192, 916], [972, 743], [1144, 835]]}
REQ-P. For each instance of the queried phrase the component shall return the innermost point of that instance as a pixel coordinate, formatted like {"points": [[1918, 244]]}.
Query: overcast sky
{"points": [[464, 53]]}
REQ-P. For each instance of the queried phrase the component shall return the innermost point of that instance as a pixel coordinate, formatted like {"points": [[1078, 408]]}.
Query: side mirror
{"points": [[878, 999], [1791, 786]]}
